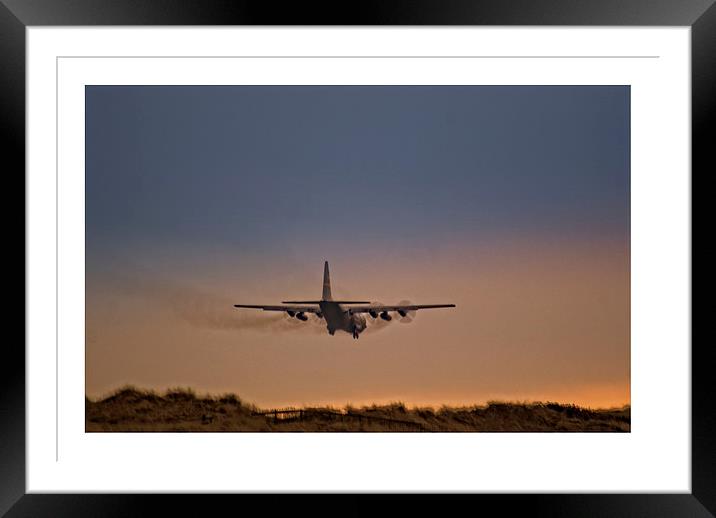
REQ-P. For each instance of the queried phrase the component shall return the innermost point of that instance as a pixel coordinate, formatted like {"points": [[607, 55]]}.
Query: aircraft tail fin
{"points": [[326, 283]]}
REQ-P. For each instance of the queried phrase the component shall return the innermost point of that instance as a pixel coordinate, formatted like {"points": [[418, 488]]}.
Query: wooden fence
{"points": [[285, 415]]}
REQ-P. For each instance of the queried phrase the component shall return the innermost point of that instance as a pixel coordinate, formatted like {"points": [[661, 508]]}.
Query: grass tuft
{"points": [[181, 409]]}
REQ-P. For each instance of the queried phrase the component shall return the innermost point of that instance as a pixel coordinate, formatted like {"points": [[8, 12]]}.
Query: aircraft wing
{"points": [[292, 308], [380, 308]]}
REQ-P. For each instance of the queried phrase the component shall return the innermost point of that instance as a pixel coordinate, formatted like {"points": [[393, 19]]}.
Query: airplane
{"points": [[350, 319]]}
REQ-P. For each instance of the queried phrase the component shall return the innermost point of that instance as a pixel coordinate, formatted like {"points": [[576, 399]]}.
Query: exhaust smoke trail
{"points": [[211, 311]]}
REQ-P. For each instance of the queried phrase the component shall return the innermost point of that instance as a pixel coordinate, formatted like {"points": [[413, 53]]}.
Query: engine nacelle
{"points": [[373, 314], [301, 316], [402, 313], [291, 313], [319, 314], [385, 316]]}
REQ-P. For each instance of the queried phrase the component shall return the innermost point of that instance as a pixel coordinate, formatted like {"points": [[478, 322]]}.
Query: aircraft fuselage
{"points": [[339, 319]]}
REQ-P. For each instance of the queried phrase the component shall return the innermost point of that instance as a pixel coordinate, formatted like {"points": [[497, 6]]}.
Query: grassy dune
{"points": [[181, 410]]}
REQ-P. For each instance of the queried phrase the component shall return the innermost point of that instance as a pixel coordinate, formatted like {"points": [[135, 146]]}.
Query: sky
{"points": [[511, 202]]}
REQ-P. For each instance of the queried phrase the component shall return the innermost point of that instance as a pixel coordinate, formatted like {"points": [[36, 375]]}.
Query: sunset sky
{"points": [[510, 202]]}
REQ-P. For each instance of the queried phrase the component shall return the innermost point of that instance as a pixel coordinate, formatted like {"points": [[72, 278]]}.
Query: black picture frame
{"points": [[16, 15]]}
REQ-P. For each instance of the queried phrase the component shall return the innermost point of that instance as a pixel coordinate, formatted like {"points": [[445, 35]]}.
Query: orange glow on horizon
{"points": [[534, 322]]}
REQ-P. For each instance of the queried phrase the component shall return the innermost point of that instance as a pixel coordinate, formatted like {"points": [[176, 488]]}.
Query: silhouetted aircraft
{"points": [[350, 319]]}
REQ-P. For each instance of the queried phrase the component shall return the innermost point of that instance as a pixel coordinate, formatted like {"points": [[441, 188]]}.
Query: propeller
{"points": [[375, 322], [407, 316], [375, 316]]}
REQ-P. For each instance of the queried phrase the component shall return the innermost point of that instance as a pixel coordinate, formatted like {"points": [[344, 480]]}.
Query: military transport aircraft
{"points": [[337, 317]]}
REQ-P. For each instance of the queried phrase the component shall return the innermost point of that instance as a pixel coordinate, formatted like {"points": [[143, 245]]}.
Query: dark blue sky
{"points": [[259, 165]]}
